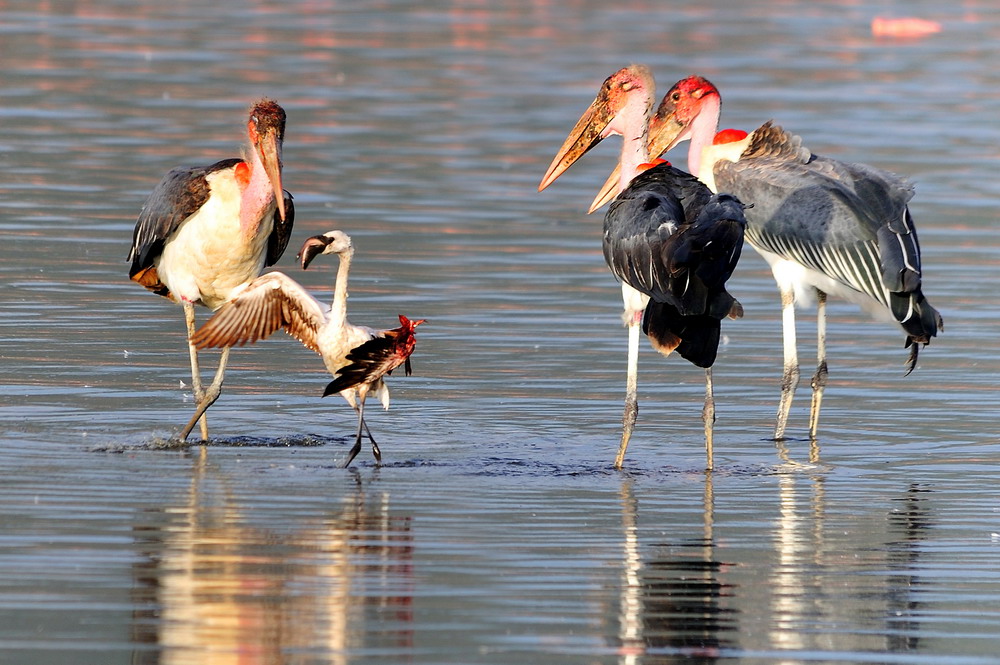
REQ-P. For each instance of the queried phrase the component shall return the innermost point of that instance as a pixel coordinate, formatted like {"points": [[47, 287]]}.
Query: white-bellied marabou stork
{"points": [[205, 232], [824, 226], [359, 357], [671, 242]]}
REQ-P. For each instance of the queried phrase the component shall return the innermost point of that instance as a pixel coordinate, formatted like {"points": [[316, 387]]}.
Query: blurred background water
{"points": [[497, 530]]}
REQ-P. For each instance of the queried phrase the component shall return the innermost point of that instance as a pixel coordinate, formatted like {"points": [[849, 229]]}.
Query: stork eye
{"points": [[676, 96]]}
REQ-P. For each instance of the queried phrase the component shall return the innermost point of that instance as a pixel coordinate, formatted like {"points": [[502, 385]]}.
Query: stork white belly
{"points": [[209, 258]]}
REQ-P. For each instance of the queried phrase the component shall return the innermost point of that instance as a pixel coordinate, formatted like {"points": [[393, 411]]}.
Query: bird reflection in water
{"points": [[218, 587], [672, 601]]}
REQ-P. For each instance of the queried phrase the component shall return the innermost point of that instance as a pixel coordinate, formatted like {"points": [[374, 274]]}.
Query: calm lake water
{"points": [[497, 531]]}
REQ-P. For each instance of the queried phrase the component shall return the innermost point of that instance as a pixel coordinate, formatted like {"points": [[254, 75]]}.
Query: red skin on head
{"points": [[729, 136]]}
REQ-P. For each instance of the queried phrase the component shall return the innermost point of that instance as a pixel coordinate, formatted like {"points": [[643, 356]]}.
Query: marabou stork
{"points": [[824, 226], [206, 231], [671, 242], [359, 357]]}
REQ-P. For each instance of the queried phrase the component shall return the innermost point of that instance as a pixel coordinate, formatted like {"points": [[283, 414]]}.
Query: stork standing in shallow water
{"points": [[359, 357], [824, 226], [671, 242], [205, 232]]}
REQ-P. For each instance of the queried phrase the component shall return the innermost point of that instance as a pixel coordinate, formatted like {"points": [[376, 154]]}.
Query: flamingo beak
{"points": [[268, 147], [665, 131], [312, 248], [588, 132]]}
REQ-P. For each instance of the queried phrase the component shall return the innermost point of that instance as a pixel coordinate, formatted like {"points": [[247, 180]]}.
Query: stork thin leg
{"points": [[208, 397], [708, 415], [790, 375], [357, 441], [196, 387], [631, 412], [819, 378]]}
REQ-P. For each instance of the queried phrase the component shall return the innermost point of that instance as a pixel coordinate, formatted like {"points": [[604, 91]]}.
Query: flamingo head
{"points": [[331, 242]]}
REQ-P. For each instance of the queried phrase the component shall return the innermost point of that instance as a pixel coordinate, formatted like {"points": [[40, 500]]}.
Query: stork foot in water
{"points": [[206, 398]]}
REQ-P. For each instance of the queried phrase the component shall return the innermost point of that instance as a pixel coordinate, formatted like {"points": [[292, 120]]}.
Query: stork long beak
{"points": [[588, 132], [665, 131], [268, 147]]}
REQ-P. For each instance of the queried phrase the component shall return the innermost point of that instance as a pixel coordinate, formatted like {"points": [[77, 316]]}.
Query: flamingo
{"points": [[824, 227], [670, 241], [359, 357], [204, 232]]}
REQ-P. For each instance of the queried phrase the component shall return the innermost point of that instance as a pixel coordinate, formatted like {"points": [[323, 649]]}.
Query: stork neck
{"points": [[338, 310], [634, 152], [257, 198], [703, 129], [635, 133]]}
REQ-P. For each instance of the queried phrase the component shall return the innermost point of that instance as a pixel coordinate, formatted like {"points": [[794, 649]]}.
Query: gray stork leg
{"points": [[819, 378], [708, 415], [208, 397], [631, 412], [790, 375], [196, 387]]}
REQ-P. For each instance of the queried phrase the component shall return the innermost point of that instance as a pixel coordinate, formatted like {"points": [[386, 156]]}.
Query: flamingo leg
{"points": [[631, 411], [196, 387], [819, 379], [790, 375], [708, 415], [375, 449], [208, 397], [357, 441]]}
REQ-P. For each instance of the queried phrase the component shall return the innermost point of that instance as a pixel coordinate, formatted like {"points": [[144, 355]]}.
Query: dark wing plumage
{"points": [[377, 357], [371, 361], [702, 258], [281, 232], [669, 237], [847, 221], [640, 226]]}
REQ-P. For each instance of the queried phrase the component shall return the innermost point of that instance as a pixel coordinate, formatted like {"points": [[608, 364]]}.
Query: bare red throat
{"points": [[242, 175]]}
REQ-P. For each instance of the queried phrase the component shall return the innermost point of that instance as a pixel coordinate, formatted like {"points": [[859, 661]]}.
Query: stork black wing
{"points": [[281, 232]]}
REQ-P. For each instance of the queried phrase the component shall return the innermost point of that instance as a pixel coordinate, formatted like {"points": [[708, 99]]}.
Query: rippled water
{"points": [[497, 531]]}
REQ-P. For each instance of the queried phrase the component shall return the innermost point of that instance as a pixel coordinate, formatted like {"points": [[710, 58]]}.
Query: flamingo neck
{"points": [[338, 310], [257, 199]]}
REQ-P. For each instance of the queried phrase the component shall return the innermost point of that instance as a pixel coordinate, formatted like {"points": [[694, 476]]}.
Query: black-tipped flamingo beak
{"points": [[312, 248]]}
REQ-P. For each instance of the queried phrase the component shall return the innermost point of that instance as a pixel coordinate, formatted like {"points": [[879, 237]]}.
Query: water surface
{"points": [[497, 530]]}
